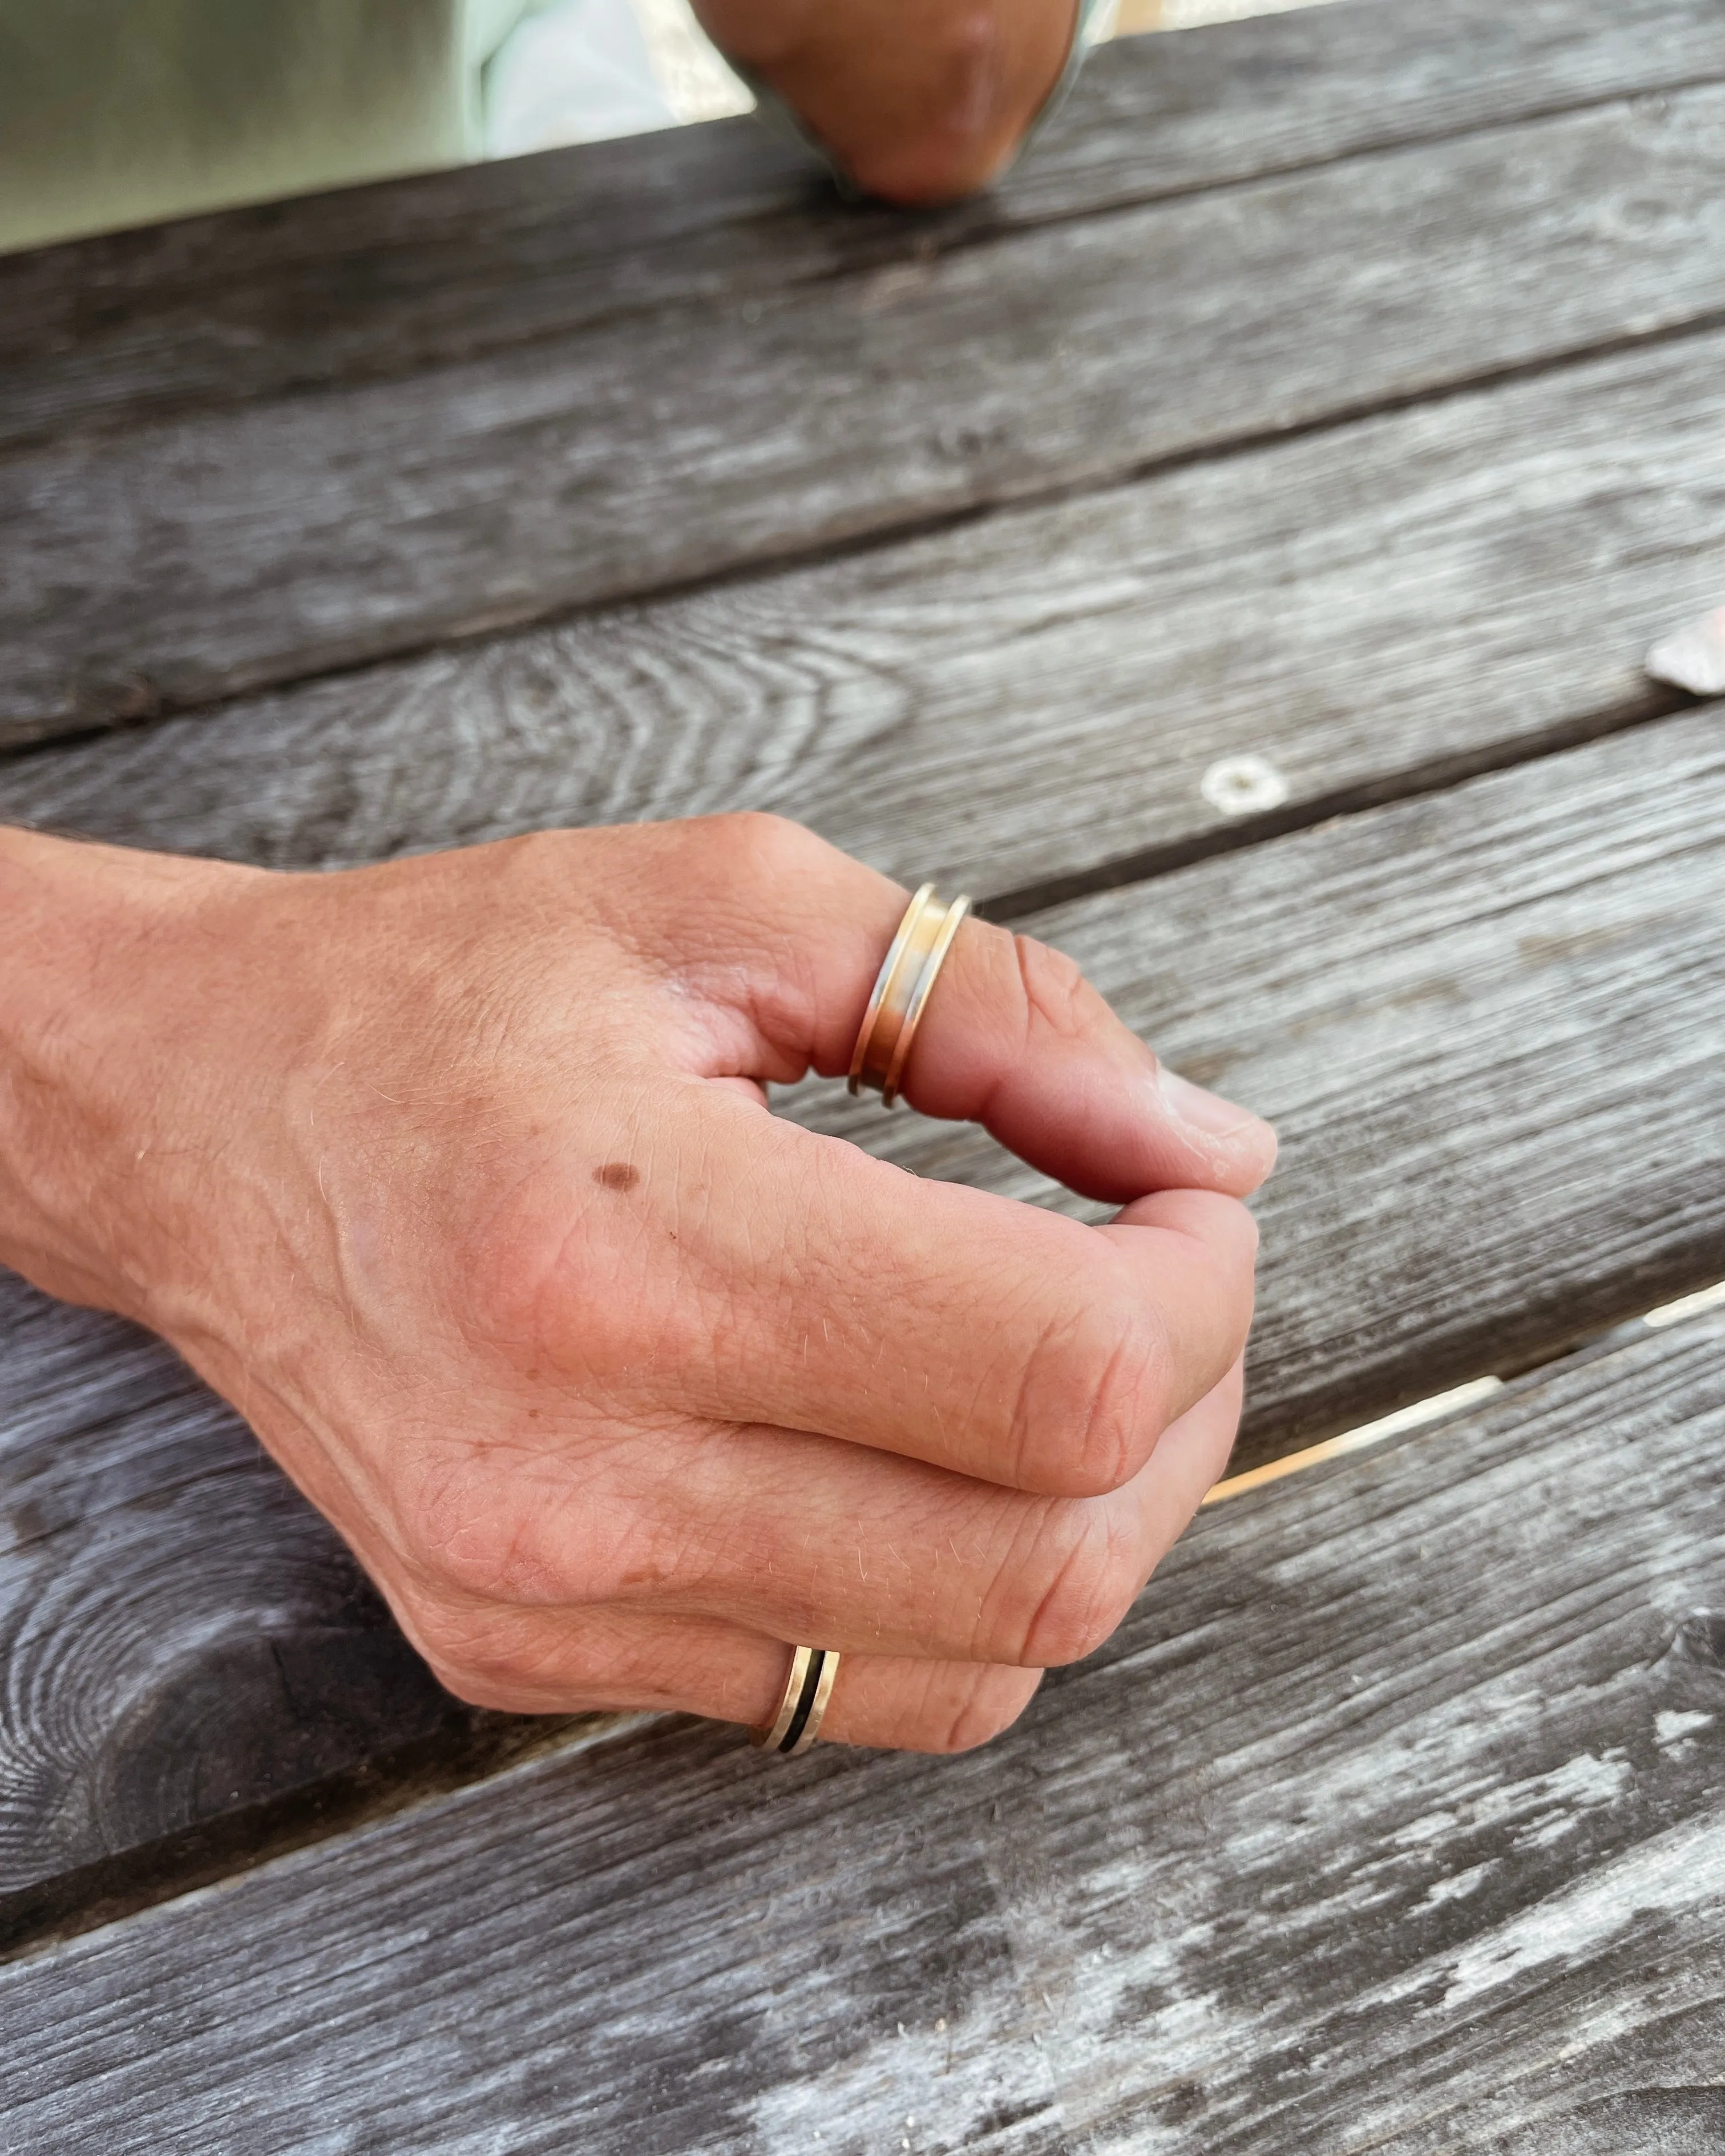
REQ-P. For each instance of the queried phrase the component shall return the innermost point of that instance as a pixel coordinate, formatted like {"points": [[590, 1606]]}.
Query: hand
{"points": [[917, 100], [456, 1177]]}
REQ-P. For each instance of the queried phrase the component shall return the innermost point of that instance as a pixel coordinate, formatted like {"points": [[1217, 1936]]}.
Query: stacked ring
{"points": [[802, 1705], [902, 987]]}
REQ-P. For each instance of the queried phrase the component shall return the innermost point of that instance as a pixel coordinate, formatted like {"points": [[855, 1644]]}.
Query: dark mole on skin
{"points": [[616, 1175]]}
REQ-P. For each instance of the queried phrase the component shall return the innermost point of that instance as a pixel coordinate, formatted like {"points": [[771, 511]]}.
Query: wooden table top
{"points": [[1228, 548]]}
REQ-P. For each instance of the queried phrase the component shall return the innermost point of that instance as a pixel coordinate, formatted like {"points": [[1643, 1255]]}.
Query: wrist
{"points": [[82, 1026]]}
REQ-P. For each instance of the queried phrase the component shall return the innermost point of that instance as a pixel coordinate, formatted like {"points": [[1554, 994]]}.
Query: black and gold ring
{"points": [[807, 1690]]}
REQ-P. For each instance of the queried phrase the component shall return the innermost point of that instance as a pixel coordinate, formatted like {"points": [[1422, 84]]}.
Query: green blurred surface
{"points": [[118, 112]]}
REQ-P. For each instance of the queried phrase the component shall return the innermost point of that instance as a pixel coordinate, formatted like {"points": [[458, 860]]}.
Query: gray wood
{"points": [[1391, 1820], [384, 279], [192, 558], [1373, 610], [1491, 1038], [249, 1699]]}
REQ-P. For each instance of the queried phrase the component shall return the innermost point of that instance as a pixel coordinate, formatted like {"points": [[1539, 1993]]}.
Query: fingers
{"points": [[881, 1563], [537, 1661], [947, 1324], [796, 1536], [1190, 1461], [1013, 1036]]}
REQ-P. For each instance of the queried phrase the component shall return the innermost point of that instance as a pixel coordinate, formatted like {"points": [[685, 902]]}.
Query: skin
{"points": [[455, 1177], [918, 101]]}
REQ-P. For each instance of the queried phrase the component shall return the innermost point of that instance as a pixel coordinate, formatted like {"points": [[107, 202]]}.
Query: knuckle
{"points": [[472, 1529], [517, 1265], [436, 1504], [540, 1283], [508, 1266], [469, 1549], [1092, 1568], [501, 1536], [1092, 1402], [754, 841], [1057, 997], [482, 1655]]}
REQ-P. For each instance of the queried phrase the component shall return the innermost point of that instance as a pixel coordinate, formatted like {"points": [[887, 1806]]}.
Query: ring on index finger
{"points": [[902, 987]]}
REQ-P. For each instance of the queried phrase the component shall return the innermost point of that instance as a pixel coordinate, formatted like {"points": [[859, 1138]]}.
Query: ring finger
{"points": [[550, 1661]]}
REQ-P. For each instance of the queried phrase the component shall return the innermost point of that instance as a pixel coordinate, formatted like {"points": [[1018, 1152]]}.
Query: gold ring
{"points": [[803, 1703], [902, 987]]}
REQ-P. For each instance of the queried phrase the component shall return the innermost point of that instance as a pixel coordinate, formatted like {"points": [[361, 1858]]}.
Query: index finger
{"points": [[1013, 1036]]}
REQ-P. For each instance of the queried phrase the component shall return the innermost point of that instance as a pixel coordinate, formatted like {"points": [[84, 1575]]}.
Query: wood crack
{"points": [[1013, 908]]}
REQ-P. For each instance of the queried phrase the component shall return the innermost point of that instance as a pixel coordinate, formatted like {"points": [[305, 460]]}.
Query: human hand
{"points": [[917, 100], [455, 1177]]}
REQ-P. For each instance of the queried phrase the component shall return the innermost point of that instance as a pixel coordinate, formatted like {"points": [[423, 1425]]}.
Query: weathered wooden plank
{"points": [[1367, 610], [1492, 1047], [115, 1463], [1390, 1821], [192, 558], [385, 279]]}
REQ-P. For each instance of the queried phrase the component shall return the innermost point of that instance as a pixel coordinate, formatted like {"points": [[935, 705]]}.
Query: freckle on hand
{"points": [[616, 1175]]}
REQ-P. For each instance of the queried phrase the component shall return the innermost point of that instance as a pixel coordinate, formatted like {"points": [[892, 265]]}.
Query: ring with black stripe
{"points": [[808, 1687]]}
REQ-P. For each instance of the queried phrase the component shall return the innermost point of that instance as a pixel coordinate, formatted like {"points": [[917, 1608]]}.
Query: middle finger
{"points": [[816, 1288], [801, 1536]]}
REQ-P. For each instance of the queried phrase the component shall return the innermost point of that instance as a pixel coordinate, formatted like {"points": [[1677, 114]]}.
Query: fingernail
{"points": [[1208, 1112]]}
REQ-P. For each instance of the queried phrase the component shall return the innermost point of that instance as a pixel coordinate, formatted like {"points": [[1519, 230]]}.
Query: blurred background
{"points": [[581, 70], [128, 112]]}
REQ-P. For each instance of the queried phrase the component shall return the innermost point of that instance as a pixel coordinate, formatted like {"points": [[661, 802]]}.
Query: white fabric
{"points": [[574, 71]]}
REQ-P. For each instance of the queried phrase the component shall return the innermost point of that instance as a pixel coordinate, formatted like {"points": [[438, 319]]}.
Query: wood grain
{"points": [[192, 558], [178, 1711], [1389, 1821], [1371, 610], [1492, 1046], [381, 280]]}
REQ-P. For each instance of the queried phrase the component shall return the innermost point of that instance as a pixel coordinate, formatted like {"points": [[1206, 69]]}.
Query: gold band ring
{"points": [[802, 1705], [902, 987]]}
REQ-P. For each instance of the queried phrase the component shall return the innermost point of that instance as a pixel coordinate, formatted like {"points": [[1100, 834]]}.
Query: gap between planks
{"points": [[969, 238], [1440, 1407], [113, 1899], [1119, 90], [767, 568], [439, 752], [1451, 1767], [1414, 783], [511, 557]]}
